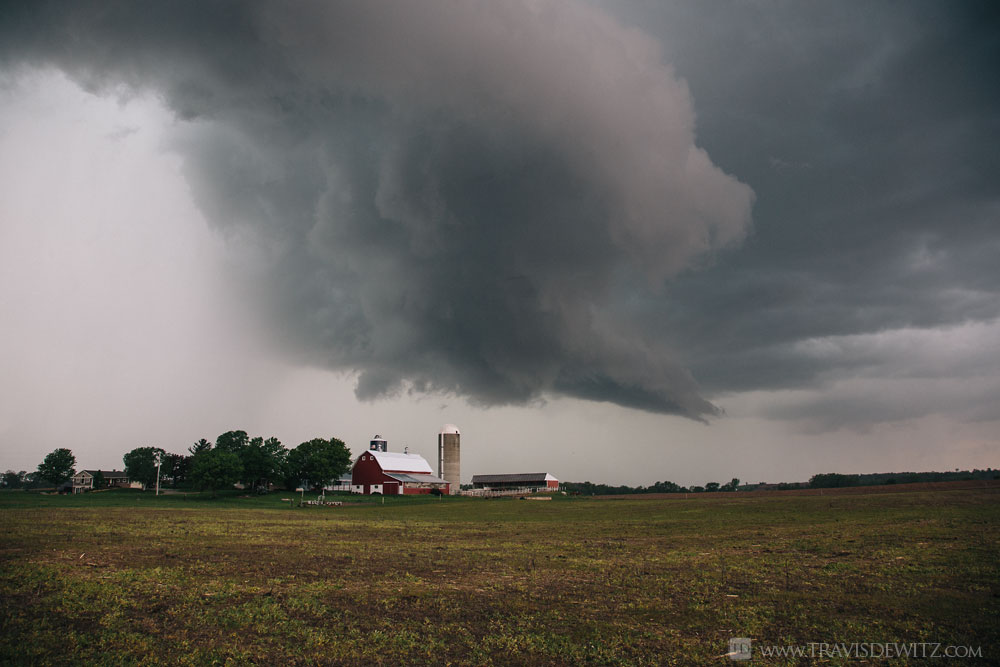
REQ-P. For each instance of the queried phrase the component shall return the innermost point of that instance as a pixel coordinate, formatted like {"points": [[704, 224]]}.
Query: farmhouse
{"points": [[392, 473], [84, 480], [526, 481]]}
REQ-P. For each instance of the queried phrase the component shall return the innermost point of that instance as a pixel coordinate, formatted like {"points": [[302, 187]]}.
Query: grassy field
{"points": [[127, 578]]}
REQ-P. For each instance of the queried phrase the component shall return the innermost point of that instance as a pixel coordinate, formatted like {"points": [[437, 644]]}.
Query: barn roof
{"points": [[396, 462], [410, 477], [514, 477]]}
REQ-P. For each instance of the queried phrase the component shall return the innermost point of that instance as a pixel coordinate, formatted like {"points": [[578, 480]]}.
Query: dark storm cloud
{"points": [[868, 133], [505, 199], [446, 196]]}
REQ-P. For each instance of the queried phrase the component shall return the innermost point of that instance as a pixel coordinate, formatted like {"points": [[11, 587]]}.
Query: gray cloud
{"points": [[444, 197], [866, 133], [505, 200], [896, 375]]}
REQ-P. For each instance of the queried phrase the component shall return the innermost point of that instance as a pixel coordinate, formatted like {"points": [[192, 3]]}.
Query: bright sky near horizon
{"points": [[618, 242]]}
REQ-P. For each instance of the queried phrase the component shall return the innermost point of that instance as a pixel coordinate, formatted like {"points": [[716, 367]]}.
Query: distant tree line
{"points": [[820, 481], [591, 489], [21, 480], [256, 463], [832, 480]]}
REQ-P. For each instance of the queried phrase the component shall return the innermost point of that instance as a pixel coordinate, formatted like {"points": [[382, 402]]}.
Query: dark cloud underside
{"points": [[868, 135], [439, 196]]}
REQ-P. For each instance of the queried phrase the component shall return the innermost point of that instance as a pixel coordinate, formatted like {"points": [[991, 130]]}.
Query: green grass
{"points": [[189, 499], [127, 578]]}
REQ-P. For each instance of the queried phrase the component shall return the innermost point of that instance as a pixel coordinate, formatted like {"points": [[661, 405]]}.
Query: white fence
{"points": [[496, 493]]}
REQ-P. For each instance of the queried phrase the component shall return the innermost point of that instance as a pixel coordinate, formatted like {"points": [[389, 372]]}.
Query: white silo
{"points": [[449, 459]]}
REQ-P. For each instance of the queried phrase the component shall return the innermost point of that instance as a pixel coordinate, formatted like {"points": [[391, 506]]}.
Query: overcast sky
{"points": [[616, 241]]}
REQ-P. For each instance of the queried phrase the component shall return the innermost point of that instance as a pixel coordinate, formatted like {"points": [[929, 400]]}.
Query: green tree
{"points": [[34, 480], [712, 486], [734, 484], [99, 481], [233, 441], [58, 466], [202, 445], [833, 480], [13, 480], [264, 462], [215, 469], [318, 461], [664, 487], [140, 464], [177, 467]]}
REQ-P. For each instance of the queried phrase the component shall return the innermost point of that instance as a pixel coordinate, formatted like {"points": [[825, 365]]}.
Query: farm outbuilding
{"points": [[392, 473], [342, 483], [525, 481]]}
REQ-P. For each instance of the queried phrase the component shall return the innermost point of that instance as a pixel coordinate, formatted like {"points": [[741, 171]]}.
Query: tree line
{"points": [[831, 480], [819, 481], [591, 489], [257, 463]]}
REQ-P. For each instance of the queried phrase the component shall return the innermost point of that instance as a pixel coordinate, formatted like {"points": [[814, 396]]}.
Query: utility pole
{"points": [[159, 461]]}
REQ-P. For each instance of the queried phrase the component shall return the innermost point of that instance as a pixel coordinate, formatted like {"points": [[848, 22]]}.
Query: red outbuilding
{"points": [[392, 473]]}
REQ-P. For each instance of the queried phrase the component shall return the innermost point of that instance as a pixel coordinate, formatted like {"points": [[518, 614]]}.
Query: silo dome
{"points": [[449, 428]]}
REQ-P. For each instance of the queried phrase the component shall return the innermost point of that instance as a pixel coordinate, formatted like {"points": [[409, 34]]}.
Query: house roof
{"points": [[397, 462], [105, 473], [421, 479], [526, 477]]}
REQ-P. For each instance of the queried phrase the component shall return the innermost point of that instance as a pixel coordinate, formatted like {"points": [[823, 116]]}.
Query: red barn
{"points": [[392, 473]]}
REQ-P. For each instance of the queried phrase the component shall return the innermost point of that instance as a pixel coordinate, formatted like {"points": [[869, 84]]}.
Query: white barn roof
{"points": [[413, 477], [396, 462]]}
